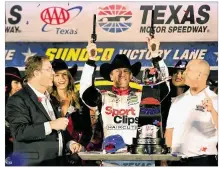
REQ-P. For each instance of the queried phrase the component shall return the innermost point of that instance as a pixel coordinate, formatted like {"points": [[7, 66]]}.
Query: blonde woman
{"points": [[66, 99]]}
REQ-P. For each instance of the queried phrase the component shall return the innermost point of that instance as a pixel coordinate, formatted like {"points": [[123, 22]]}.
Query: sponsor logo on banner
{"points": [[55, 17], [13, 19], [17, 52], [175, 19], [78, 54], [114, 18]]}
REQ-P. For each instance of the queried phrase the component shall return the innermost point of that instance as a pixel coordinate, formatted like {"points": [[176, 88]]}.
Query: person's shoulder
{"points": [[209, 91], [20, 93], [212, 94], [180, 97], [17, 97]]}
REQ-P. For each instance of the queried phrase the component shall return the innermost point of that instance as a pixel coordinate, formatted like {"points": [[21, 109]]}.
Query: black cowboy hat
{"points": [[180, 65], [12, 73], [92, 97], [59, 64], [120, 61]]}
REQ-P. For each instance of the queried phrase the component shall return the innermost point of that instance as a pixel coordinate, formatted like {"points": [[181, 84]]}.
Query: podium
{"points": [[96, 155]]}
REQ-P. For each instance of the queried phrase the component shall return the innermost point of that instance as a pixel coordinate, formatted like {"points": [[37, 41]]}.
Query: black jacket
{"points": [[81, 122], [27, 116]]}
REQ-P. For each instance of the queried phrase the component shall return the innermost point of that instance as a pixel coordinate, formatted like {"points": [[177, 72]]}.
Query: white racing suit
{"points": [[119, 111]]}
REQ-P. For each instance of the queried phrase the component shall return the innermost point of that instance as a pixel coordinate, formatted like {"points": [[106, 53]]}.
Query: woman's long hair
{"points": [[71, 91], [8, 88]]}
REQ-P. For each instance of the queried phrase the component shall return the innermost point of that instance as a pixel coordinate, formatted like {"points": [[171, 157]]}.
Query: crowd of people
{"points": [[48, 121]]}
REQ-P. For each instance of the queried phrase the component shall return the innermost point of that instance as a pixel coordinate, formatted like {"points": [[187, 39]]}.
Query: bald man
{"points": [[192, 123]]}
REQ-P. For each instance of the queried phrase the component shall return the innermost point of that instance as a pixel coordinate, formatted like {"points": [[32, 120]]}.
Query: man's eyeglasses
{"points": [[49, 70]]}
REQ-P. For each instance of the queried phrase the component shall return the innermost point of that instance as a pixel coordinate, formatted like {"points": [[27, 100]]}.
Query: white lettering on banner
{"points": [[140, 53], [198, 54], [148, 56], [185, 54], [9, 54], [166, 53], [202, 53], [175, 55], [130, 53], [133, 55]]}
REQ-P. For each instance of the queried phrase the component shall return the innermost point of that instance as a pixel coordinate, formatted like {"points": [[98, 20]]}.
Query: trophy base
{"points": [[148, 149], [150, 141]]}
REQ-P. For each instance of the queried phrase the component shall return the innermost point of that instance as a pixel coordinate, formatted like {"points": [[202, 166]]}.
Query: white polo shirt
{"points": [[194, 132]]}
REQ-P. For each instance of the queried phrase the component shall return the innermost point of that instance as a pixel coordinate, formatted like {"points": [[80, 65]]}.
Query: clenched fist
{"points": [[153, 47], [75, 147], [59, 124], [92, 50]]}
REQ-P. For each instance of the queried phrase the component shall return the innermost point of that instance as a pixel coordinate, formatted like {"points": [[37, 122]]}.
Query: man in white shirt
{"points": [[192, 123], [37, 128]]}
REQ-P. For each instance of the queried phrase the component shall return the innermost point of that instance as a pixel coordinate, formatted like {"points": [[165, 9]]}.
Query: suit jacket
{"points": [[26, 116]]}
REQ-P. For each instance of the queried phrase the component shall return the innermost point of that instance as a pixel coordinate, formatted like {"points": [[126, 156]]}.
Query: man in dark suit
{"points": [[37, 128]]}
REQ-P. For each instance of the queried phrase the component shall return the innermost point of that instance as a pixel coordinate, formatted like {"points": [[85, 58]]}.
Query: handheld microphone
{"points": [[68, 114]]}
